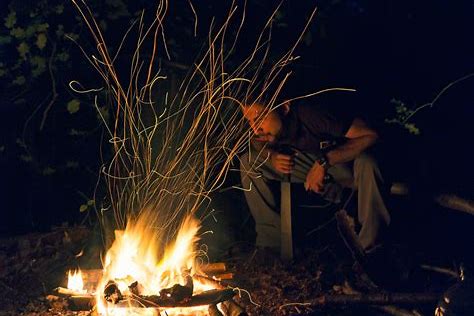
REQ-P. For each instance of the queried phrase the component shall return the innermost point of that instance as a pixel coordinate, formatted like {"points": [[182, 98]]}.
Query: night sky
{"points": [[391, 51]]}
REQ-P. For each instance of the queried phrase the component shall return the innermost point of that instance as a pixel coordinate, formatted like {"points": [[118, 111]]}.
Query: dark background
{"points": [[403, 50]]}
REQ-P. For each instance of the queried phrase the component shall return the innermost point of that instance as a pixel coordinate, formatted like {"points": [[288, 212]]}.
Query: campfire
{"points": [[136, 280]]}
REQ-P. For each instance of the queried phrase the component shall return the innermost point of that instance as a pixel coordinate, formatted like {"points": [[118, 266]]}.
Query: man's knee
{"points": [[365, 161]]}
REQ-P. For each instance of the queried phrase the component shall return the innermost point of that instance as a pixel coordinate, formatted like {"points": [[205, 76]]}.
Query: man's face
{"points": [[265, 124]]}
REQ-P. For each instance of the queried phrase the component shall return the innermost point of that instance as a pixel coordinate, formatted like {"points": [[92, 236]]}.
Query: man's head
{"points": [[266, 124]]}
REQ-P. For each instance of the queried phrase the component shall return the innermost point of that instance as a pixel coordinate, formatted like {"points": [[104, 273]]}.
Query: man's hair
{"points": [[263, 100]]}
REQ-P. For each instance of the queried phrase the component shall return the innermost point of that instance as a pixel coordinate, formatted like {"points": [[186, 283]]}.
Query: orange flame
{"points": [[75, 282], [134, 256]]}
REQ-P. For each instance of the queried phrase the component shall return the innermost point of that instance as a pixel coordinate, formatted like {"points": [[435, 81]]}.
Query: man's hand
{"points": [[282, 163], [315, 179]]}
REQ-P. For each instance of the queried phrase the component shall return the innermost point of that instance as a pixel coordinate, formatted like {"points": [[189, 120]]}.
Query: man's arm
{"points": [[360, 137]]}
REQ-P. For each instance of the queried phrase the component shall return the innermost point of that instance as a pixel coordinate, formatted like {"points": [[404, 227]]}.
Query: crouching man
{"points": [[316, 146]]}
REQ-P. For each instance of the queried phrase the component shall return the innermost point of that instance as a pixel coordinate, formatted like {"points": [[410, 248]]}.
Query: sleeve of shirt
{"points": [[331, 115]]}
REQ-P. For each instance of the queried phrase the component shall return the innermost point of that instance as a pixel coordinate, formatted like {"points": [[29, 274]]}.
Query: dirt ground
{"points": [[31, 266]]}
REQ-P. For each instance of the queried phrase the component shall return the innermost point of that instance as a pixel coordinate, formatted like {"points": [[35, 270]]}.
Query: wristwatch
{"points": [[323, 162]]}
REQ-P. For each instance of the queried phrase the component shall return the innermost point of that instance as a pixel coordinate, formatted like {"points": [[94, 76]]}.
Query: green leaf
{"points": [[73, 106], [5, 40], [19, 80], [104, 113], [72, 164], [10, 20], [73, 36], [60, 30], [31, 30], [23, 49], [18, 32], [119, 9], [90, 202], [41, 40], [43, 27], [412, 128], [48, 171], [83, 208], [75, 132], [20, 143], [63, 56], [26, 158], [59, 9], [103, 25], [39, 65]]}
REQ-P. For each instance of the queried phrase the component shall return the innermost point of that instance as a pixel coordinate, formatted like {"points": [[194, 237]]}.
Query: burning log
{"points": [[215, 282], [179, 292], [213, 268], [224, 276], [233, 309], [376, 299], [112, 293], [204, 298], [61, 291], [214, 311]]}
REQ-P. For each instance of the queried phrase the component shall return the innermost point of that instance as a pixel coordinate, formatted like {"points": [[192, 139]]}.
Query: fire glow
{"points": [[75, 282], [135, 257]]}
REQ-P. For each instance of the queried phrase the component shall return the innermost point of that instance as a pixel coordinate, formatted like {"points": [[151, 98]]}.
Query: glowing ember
{"points": [[74, 281], [135, 257]]}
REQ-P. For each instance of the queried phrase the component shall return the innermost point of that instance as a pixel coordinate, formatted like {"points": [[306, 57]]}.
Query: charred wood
{"points": [[204, 298], [81, 302], [112, 293], [214, 311]]}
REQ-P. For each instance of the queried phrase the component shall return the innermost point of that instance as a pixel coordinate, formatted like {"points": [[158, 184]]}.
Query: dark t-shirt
{"points": [[312, 125]]}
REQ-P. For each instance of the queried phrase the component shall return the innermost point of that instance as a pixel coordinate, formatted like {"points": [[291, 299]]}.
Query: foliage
{"points": [[402, 117], [38, 59]]}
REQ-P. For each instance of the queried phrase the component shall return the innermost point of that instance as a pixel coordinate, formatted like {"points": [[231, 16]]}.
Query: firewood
{"points": [[214, 311], [206, 279], [112, 293], [180, 292], [65, 292], [233, 309], [81, 302], [204, 298], [376, 299], [213, 268], [225, 276]]}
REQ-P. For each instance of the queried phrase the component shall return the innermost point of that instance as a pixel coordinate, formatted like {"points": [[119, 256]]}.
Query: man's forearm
{"points": [[351, 149]]}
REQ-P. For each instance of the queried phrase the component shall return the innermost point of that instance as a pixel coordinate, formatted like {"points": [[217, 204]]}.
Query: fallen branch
{"points": [[440, 270], [376, 299], [395, 311], [350, 238], [455, 202]]}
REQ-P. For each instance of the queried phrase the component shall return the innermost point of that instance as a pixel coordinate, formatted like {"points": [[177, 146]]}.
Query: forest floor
{"points": [[32, 265]]}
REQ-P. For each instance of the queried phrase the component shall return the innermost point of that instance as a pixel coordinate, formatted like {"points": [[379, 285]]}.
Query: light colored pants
{"points": [[364, 176]]}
